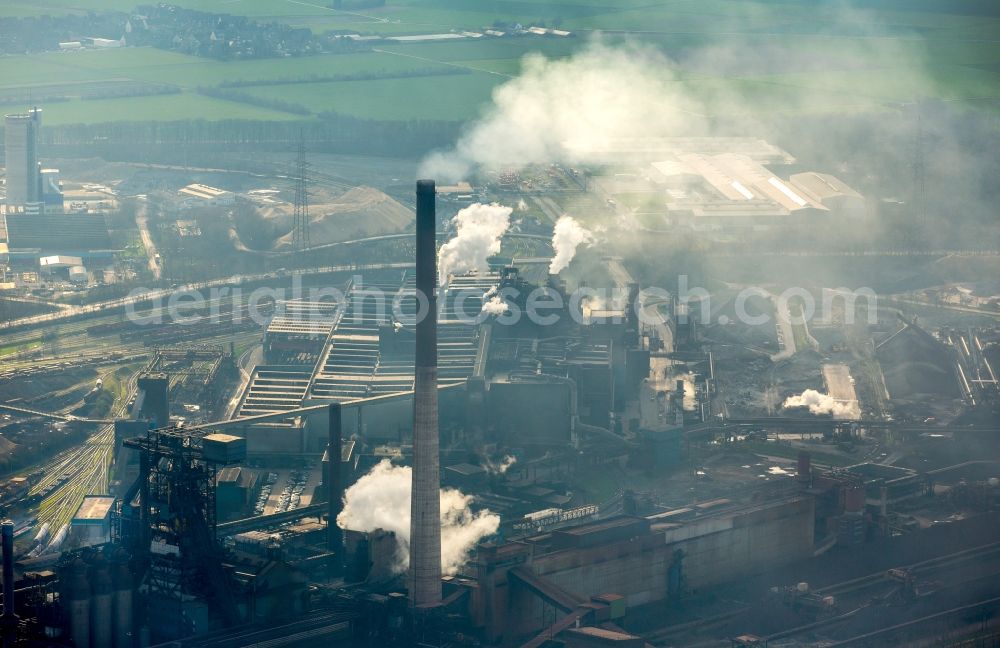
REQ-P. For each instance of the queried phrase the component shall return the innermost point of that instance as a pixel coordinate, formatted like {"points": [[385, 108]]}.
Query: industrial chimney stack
{"points": [[424, 578], [9, 619], [334, 488]]}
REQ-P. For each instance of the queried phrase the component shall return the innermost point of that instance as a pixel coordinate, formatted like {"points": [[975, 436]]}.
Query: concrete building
{"points": [[21, 155], [235, 487], [152, 401], [915, 364], [58, 262], [734, 191], [642, 560], [92, 523], [831, 192], [78, 274], [51, 190], [34, 235], [365, 350], [297, 332]]}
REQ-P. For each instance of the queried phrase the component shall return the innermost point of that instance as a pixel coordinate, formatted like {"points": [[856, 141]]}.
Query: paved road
{"points": [[142, 220], [840, 386]]}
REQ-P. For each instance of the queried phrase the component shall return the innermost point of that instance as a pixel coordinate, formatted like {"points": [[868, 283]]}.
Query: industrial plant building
{"points": [[730, 191], [520, 419], [720, 185], [361, 350], [33, 224], [24, 183], [30, 188]]}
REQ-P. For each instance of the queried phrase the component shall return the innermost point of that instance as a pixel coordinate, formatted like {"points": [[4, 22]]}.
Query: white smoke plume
{"points": [[690, 392], [501, 467], [478, 230], [820, 403], [381, 500], [494, 305], [567, 110], [567, 236]]}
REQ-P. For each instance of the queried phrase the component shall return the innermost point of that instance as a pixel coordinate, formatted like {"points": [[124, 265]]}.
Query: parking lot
{"points": [[285, 490]]}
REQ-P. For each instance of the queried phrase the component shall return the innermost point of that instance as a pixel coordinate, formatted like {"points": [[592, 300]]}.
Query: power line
{"points": [[300, 235]]}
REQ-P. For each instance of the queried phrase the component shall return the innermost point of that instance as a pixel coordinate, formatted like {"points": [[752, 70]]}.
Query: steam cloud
{"points": [[819, 403], [381, 500], [478, 231], [567, 236], [502, 466], [495, 305], [566, 110]]}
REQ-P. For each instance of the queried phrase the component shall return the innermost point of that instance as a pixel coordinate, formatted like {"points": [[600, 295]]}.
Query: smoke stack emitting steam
{"points": [[379, 501], [478, 230], [441, 529], [567, 236], [424, 578]]}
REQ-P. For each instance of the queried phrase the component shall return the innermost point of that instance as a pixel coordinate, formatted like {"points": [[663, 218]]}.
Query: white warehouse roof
{"points": [[59, 261]]}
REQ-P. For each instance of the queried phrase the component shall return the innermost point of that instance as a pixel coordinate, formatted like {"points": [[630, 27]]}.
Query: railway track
{"points": [[677, 635], [922, 568], [81, 471], [859, 585]]}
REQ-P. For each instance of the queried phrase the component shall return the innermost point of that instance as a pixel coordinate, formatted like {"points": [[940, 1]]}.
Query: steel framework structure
{"points": [[173, 537], [300, 233]]}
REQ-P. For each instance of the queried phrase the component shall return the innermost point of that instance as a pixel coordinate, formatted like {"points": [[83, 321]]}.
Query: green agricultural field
{"points": [[70, 69], [734, 56], [455, 97], [153, 65]]}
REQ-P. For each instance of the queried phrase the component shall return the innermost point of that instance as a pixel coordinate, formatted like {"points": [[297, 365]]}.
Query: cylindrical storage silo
{"points": [[100, 603], [78, 602], [122, 623]]}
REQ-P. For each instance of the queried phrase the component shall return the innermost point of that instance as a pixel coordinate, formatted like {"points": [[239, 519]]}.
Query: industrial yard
{"points": [[688, 335]]}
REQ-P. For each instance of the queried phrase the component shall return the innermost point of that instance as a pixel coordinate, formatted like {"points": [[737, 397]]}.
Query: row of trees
{"points": [[165, 26], [36, 96], [351, 76], [261, 102]]}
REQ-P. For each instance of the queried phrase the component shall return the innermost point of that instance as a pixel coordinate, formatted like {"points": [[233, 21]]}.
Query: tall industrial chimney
{"points": [[424, 578], [9, 620], [334, 487]]}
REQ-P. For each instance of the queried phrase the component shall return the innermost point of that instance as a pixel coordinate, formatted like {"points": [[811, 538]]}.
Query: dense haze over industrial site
{"points": [[413, 322]]}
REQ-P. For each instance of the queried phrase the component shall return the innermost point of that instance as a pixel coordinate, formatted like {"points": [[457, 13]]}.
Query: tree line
{"points": [[329, 133], [350, 76]]}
